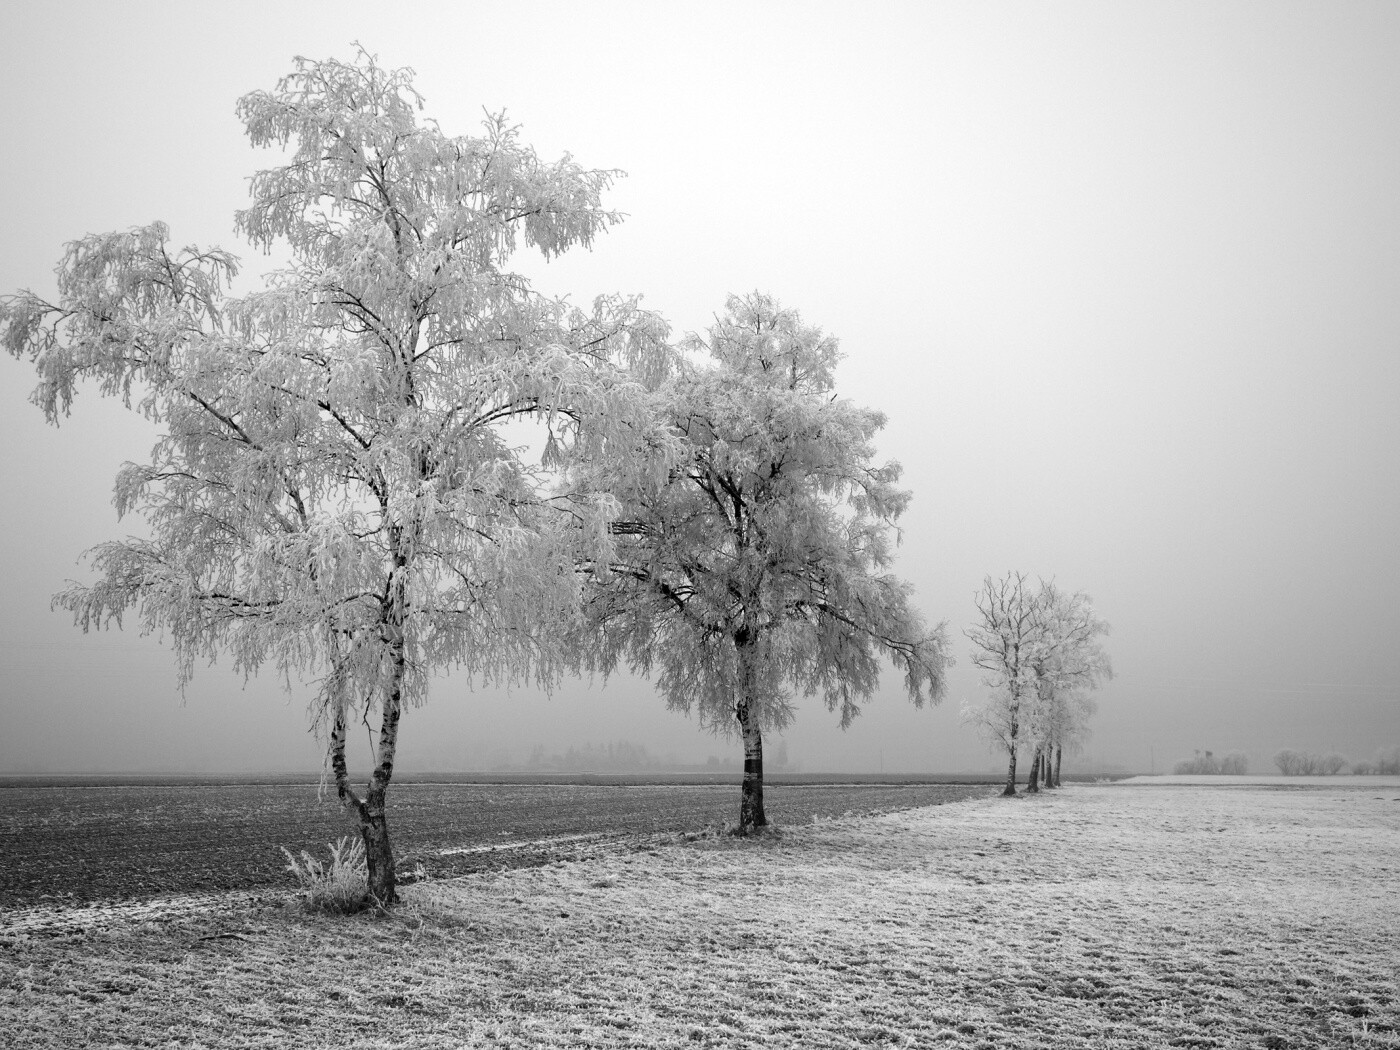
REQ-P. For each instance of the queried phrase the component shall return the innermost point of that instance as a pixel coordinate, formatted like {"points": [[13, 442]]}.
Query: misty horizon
{"points": [[1123, 284]]}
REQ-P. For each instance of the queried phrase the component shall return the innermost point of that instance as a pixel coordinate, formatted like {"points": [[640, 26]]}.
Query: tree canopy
{"points": [[759, 564], [336, 491]]}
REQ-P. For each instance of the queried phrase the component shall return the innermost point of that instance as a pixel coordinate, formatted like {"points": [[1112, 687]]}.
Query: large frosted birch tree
{"points": [[336, 492], [759, 565]]}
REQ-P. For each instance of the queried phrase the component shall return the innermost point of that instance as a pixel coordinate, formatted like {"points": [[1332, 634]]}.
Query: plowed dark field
{"points": [[66, 843]]}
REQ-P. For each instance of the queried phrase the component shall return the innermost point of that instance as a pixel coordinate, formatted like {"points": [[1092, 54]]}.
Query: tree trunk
{"points": [[374, 826], [1010, 788], [751, 813], [1037, 764], [1059, 753], [379, 854], [370, 812]]}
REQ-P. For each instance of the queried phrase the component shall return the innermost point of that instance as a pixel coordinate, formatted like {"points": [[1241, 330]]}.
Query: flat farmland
{"points": [[76, 843], [1108, 916]]}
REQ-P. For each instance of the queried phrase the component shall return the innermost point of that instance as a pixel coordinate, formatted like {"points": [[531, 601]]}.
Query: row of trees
{"points": [[1041, 651], [339, 492], [1290, 762], [1386, 763], [1293, 763]]}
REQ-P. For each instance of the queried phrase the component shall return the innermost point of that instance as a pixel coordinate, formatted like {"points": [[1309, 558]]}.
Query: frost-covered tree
{"points": [[1308, 763], [333, 493], [1007, 639], [1041, 651], [758, 565], [1067, 660]]}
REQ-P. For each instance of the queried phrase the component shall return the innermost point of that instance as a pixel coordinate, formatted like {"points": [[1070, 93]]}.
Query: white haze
{"points": [[1123, 277]]}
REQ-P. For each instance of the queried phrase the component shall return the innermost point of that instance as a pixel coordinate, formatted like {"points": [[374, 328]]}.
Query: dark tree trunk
{"points": [[1059, 753], [374, 826], [1033, 778], [379, 854], [751, 815], [1010, 788], [370, 811]]}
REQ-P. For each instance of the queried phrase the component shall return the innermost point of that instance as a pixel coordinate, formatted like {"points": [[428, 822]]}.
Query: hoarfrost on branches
{"points": [[759, 564], [334, 492], [1041, 652]]}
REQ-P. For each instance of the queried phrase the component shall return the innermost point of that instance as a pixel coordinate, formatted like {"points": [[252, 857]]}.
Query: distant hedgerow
{"points": [[1236, 763], [1387, 763], [1308, 764]]}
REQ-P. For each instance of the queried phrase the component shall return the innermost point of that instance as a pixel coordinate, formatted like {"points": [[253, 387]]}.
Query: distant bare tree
{"points": [[1069, 662], [1236, 763], [1006, 639], [1041, 650]]}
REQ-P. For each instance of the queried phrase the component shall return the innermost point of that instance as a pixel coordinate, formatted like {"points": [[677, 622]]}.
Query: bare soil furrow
{"points": [[82, 844]]}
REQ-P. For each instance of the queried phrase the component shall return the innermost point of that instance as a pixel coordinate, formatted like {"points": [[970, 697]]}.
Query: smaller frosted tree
{"points": [[758, 565], [1007, 638], [1069, 660], [1041, 652]]}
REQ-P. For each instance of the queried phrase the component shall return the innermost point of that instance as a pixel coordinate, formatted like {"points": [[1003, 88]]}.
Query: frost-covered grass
{"points": [[338, 885], [1338, 780], [1097, 916]]}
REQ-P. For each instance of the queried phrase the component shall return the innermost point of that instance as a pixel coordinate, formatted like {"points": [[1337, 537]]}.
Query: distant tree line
{"points": [[1236, 763], [1387, 763], [1292, 763]]}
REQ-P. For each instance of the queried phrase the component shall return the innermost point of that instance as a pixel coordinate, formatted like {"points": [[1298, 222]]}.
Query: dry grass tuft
{"points": [[337, 887], [1093, 916]]}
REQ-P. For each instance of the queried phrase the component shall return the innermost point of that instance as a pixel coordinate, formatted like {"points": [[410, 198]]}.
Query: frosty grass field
{"points": [[1128, 915]]}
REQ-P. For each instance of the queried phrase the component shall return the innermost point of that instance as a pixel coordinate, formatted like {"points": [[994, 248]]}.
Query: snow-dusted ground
{"points": [[1101, 916], [1386, 783]]}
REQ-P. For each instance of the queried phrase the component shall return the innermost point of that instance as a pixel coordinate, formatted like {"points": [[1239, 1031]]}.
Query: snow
{"points": [[1093, 915], [1386, 783]]}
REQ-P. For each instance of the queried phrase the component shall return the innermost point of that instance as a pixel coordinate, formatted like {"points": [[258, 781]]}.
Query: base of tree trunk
{"points": [[1010, 789], [382, 890], [751, 814]]}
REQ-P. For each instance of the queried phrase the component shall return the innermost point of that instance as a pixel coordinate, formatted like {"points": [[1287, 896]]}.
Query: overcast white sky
{"points": [[1122, 275]]}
